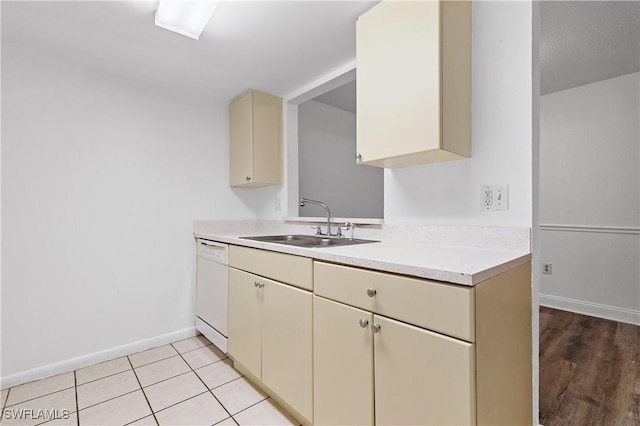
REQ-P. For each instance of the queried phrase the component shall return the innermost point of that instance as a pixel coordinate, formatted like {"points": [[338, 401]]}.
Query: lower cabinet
{"points": [[270, 335], [410, 375], [245, 321], [339, 345], [343, 364], [421, 377]]}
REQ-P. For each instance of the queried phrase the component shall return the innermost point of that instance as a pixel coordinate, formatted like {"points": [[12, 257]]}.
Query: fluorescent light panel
{"points": [[186, 17]]}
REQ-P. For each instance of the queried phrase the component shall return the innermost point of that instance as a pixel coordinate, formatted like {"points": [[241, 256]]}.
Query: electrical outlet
{"points": [[494, 197], [278, 205], [546, 268]]}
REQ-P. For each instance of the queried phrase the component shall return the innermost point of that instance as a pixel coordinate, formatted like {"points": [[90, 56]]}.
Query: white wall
{"points": [[327, 168], [590, 198], [101, 180], [449, 193]]}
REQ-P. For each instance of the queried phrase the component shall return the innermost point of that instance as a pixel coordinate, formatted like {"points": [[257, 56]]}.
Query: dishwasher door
{"points": [[212, 290]]}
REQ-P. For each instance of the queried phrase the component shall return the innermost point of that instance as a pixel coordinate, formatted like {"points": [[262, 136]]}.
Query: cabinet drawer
{"points": [[440, 307], [294, 270]]}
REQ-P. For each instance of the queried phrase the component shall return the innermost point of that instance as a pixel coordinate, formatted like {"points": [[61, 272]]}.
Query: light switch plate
{"points": [[494, 197]]}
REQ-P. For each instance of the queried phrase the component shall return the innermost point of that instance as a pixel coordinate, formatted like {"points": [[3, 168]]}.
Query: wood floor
{"points": [[589, 370]]}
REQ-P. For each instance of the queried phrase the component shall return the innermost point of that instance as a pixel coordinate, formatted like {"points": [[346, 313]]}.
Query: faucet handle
{"points": [[349, 226], [318, 229]]}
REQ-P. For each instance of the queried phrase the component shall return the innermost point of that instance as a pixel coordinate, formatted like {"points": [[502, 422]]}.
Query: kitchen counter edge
{"points": [[468, 275]]}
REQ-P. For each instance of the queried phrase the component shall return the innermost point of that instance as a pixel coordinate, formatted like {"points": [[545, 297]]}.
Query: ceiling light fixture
{"points": [[186, 17]]}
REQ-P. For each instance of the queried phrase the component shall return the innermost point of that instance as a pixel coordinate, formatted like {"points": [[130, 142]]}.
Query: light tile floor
{"points": [[189, 382]]}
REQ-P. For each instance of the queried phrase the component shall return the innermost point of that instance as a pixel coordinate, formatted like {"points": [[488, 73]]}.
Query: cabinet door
{"points": [[398, 80], [267, 138], [287, 342], [343, 364], [245, 323], [240, 140], [414, 82], [255, 140], [422, 378]]}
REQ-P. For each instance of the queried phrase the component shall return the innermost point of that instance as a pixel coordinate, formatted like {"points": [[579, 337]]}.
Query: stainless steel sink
{"points": [[311, 241]]}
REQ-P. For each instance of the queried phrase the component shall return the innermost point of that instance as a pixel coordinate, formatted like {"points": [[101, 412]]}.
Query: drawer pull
{"points": [[375, 328], [363, 323], [371, 292], [258, 284]]}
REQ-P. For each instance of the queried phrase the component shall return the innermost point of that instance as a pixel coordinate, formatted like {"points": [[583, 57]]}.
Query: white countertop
{"points": [[459, 265]]}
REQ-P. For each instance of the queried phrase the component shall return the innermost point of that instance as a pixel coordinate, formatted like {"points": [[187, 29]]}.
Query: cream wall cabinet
{"points": [[255, 140], [414, 83], [270, 330]]}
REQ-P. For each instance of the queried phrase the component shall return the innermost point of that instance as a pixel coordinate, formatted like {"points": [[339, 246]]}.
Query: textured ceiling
{"points": [[277, 46], [343, 97], [582, 42]]}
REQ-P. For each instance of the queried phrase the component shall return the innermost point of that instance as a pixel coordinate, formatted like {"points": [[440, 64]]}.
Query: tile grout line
{"points": [[104, 377], [149, 363], [37, 397], [49, 420], [163, 380], [4, 403], [180, 402], [75, 385], [107, 400], [252, 405], [205, 385], [75, 388], [143, 394], [161, 359]]}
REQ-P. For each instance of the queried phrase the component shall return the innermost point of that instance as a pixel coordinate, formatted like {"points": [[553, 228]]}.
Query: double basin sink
{"points": [[310, 241]]}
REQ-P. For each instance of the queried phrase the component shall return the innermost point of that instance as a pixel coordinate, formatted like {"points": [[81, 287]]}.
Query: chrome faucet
{"points": [[303, 201]]}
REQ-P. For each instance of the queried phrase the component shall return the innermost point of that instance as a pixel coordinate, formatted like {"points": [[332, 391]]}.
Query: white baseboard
{"points": [[589, 308], [94, 358]]}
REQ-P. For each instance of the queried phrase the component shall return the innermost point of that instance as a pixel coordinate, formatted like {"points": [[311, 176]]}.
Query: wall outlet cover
{"points": [[494, 197]]}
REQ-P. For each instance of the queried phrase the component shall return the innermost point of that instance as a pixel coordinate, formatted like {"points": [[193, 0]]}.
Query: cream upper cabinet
{"points": [[255, 140], [414, 83]]}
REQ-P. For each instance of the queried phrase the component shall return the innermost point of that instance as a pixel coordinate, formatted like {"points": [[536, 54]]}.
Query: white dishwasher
{"points": [[212, 289]]}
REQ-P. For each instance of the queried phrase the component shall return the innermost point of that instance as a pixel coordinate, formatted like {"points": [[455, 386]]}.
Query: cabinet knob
{"points": [[375, 328], [363, 322], [358, 156], [258, 284], [371, 292], [248, 178]]}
